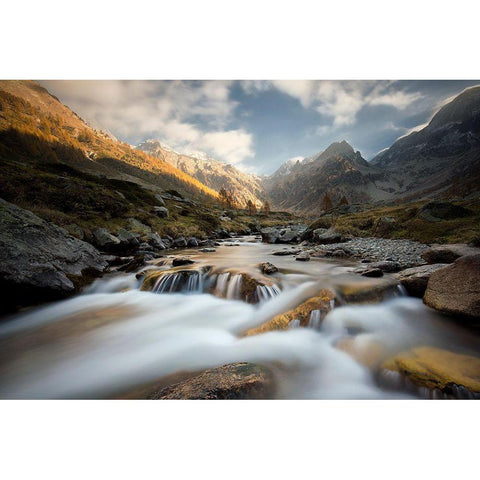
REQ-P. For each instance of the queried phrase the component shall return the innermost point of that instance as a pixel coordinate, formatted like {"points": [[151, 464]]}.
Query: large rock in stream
{"points": [[40, 261], [236, 381], [455, 290], [433, 373]]}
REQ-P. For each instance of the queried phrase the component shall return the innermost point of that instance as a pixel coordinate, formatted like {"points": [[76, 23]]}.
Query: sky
{"points": [[257, 125]]}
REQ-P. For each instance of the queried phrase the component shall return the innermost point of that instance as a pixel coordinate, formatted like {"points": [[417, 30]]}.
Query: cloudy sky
{"points": [[257, 125]]}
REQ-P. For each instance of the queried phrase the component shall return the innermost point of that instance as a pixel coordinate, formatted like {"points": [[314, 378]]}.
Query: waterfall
{"points": [[315, 318], [221, 285], [295, 323], [234, 287], [265, 292]]}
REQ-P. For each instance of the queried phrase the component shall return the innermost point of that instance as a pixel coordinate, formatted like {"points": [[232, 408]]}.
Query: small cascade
{"points": [[401, 291], [234, 288], [315, 319], [221, 285], [265, 292], [295, 323], [186, 282]]}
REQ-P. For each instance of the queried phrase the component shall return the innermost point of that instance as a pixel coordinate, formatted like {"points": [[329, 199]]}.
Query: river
{"points": [[114, 337]]}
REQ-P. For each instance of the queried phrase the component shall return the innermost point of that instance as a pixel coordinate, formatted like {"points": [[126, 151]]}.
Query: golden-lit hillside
{"points": [[36, 127]]}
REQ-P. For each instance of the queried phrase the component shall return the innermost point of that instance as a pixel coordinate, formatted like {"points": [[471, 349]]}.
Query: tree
{"points": [[326, 203], [252, 209], [223, 196], [266, 208], [343, 201]]}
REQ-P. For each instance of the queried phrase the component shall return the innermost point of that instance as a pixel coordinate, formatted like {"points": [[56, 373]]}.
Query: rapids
{"points": [[115, 337]]}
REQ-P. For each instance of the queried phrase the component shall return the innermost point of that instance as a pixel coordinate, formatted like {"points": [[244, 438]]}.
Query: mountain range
{"points": [[211, 172], [441, 160]]}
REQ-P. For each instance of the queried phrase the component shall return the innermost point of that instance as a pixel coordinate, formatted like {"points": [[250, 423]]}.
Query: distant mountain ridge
{"points": [[210, 171], [441, 160]]}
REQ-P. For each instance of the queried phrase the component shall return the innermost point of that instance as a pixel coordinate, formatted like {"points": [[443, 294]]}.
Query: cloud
{"points": [[342, 100], [187, 115]]}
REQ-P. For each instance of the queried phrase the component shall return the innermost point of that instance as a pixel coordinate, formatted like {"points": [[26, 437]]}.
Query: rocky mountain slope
{"points": [[210, 172], [338, 171], [442, 159], [36, 128]]}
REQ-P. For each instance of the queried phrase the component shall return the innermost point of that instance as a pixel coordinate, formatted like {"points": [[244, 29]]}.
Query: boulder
{"points": [[455, 290], [371, 272], [288, 235], [270, 235], [448, 253], [236, 381], [386, 266], [192, 242], [434, 372], [105, 240], [268, 268], [303, 257], [415, 279], [127, 239], [225, 219], [180, 242], [38, 261], [160, 200], [155, 241], [161, 212], [327, 237], [280, 253], [182, 261]]}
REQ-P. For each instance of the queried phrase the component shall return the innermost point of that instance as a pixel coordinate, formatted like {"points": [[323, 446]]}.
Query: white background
{"points": [[239, 40]]}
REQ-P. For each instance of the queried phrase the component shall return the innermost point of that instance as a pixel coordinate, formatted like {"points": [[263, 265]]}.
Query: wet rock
{"points": [[192, 242], [322, 302], [415, 279], [161, 212], [236, 381], [455, 289], [105, 240], [280, 253], [452, 374], [448, 253], [208, 250], [155, 241], [370, 272], [38, 261], [386, 266], [180, 242], [135, 264], [268, 268], [303, 257], [289, 235], [182, 261], [367, 290]]}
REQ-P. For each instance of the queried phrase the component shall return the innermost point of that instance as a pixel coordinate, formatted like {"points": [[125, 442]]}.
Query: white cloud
{"points": [[342, 100], [185, 115]]}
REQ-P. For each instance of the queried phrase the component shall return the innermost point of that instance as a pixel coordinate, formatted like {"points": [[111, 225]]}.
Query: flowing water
{"points": [[115, 337]]}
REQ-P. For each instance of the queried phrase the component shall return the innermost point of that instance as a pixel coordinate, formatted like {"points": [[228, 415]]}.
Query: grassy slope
{"points": [[407, 224]]}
